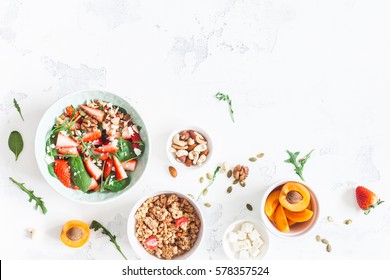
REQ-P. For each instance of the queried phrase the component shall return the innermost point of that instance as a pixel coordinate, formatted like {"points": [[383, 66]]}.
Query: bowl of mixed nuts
{"points": [[165, 225], [189, 147]]}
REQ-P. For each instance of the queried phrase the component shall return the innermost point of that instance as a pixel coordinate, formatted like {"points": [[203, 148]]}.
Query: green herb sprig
{"points": [[298, 163], [205, 190], [38, 200], [15, 143], [224, 97], [17, 107], [96, 226]]}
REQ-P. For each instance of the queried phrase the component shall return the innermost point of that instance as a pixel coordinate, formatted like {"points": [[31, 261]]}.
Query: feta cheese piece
{"points": [[241, 235], [243, 255], [137, 152], [237, 246], [247, 227], [254, 252], [254, 235], [232, 236], [247, 244], [257, 243]]}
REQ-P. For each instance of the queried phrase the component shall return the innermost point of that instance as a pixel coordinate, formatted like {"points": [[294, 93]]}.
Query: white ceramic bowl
{"points": [[136, 245], [227, 247], [172, 156], [47, 122], [299, 229]]}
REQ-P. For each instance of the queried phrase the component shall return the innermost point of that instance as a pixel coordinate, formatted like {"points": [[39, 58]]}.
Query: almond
{"points": [[190, 148], [188, 162], [172, 171], [205, 152]]}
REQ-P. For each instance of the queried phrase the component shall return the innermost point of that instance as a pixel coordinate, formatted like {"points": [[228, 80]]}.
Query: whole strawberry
{"points": [[366, 199]]}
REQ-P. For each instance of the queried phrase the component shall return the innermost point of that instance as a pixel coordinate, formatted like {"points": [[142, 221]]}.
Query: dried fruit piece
{"points": [[172, 171], [151, 243]]}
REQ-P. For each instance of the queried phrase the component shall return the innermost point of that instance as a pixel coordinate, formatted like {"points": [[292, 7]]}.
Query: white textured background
{"points": [[302, 75]]}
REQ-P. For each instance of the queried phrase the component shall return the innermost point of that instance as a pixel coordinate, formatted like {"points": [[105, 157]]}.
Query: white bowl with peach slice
{"points": [[289, 208]]}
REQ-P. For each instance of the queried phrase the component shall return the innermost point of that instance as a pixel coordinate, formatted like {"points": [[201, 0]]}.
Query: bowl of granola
{"points": [[92, 146], [165, 225]]}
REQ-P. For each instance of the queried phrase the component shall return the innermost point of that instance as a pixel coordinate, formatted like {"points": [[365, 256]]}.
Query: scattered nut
{"points": [[177, 141], [172, 171], [181, 153], [196, 158], [200, 148], [31, 233], [330, 219], [225, 167], [184, 135], [181, 159], [201, 160]]}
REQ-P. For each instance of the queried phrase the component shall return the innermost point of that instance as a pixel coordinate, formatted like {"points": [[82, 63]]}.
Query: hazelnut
{"points": [[294, 197], [184, 135]]}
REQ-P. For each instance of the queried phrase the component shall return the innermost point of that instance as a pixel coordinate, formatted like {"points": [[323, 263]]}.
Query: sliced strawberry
{"points": [[92, 169], [129, 165], [97, 142], [107, 149], [92, 112], [180, 221], [127, 133], [92, 136], [107, 167], [104, 156], [68, 151], [151, 242], [120, 173], [65, 141], [69, 111], [135, 140], [366, 199], [62, 170], [94, 185]]}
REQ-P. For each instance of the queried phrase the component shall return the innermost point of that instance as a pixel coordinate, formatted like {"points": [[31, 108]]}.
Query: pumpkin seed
{"points": [[229, 173], [201, 180], [249, 207], [252, 159], [325, 241], [190, 195], [229, 189], [235, 182], [260, 155], [242, 183], [205, 191], [207, 204], [318, 238], [330, 219], [208, 176], [328, 248], [348, 222]]}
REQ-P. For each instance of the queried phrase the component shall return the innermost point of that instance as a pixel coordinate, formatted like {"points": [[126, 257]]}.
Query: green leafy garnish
{"points": [[15, 143], [125, 150], [38, 200], [298, 163], [111, 184], [17, 107], [96, 226], [205, 190], [222, 97]]}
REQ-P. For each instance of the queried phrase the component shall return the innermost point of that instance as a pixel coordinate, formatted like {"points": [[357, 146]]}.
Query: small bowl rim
{"points": [[180, 165], [258, 225], [136, 245], [272, 228]]}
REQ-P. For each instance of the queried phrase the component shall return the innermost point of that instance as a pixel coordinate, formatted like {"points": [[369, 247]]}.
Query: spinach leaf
{"points": [[50, 167], [126, 151], [111, 184], [15, 143]]}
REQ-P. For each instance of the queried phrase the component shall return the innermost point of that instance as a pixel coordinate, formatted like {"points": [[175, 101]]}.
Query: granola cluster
{"points": [[167, 225]]}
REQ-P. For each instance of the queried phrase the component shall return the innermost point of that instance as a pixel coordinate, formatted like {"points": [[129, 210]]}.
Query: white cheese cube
{"points": [[247, 227], [241, 235], [254, 252], [247, 244], [257, 243], [237, 246], [254, 235], [232, 236], [243, 255]]}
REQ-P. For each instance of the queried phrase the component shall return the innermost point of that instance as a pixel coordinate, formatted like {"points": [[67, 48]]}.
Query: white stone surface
{"points": [[302, 75]]}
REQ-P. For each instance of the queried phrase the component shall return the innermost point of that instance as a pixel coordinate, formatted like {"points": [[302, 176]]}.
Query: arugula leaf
{"points": [[17, 107], [50, 167], [205, 190], [15, 143], [38, 200], [299, 164], [96, 226], [222, 97]]}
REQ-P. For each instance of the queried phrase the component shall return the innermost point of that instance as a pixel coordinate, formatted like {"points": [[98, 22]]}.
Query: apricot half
{"points": [[281, 220], [272, 203], [74, 233], [298, 217], [294, 196]]}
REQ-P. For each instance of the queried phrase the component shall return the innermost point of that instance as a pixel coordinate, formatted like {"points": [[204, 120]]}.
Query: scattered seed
{"points": [[191, 195], [172, 171], [235, 182], [328, 248], [205, 191], [330, 219], [201, 180], [348, 222], [207, 204], [249, 207], [260, 155], [225, 167], [229, 189], [252, 159], [229, 173], [325, 241], [31, 233], [318, 238], [208, 175], [242, 183]]}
